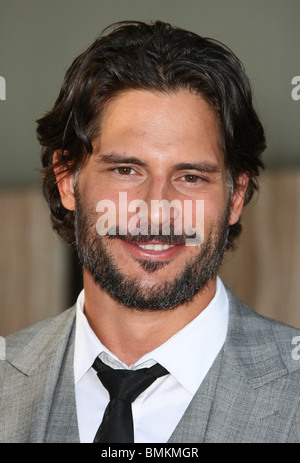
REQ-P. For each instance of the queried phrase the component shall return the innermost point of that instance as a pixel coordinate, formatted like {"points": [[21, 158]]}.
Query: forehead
{"points": [[141, 122]]}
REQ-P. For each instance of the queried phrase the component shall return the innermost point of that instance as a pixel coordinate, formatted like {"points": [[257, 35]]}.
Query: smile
{"points": [[156, 251]]}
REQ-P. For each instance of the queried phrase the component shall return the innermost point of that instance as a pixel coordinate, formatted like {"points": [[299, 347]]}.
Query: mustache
{"points": [[171, 238]]}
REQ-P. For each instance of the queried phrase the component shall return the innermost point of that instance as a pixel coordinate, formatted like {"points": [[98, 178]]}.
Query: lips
{"points": [[155, 251]]}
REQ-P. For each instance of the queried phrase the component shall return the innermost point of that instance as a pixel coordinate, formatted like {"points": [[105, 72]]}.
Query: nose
{"points": [[163, 208]]}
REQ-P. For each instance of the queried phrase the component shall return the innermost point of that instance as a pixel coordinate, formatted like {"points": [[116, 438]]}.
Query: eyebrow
{"points": [[199, 166], [119, 159]]}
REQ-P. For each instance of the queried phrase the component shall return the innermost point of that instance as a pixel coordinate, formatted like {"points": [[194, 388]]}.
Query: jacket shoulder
{"points": [[40, 337], [38, 361], [265, 340]]}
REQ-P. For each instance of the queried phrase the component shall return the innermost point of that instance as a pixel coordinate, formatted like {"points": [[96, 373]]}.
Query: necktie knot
{"points": [[122, 386]]}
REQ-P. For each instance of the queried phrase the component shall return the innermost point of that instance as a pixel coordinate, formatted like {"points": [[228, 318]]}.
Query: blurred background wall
{"points": [[39, 40]]}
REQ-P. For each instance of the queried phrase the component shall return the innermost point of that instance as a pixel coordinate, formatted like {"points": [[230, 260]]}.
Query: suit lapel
{"points": [[192, 426], [62, 423]]}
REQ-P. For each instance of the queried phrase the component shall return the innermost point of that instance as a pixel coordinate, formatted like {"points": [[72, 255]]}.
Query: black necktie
{"points": [[124, 386]]}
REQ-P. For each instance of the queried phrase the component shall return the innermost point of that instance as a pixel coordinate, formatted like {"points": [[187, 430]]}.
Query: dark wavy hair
{"points": [[160, 57]]}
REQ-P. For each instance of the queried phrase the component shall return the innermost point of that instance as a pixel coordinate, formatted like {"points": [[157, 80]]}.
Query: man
{"points": [[151, 115]]}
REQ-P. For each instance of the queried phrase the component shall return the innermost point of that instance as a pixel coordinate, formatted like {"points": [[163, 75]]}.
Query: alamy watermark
{"points": [[187, 218], [296, 350], [2, 348], [2, 88], [296, 89]]}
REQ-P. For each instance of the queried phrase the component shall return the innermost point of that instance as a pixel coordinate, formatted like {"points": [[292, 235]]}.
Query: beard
{"points": [[94, 254]]}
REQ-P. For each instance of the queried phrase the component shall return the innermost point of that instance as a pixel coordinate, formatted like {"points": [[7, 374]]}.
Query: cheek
{"points": [[94, 191], [214, 211]]}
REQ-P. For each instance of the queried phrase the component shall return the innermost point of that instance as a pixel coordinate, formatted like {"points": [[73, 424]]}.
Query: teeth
{"points": [[155, 247]]}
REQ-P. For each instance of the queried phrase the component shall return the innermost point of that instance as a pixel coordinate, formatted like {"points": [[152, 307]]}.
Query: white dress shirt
{"points": [[188, 355]]}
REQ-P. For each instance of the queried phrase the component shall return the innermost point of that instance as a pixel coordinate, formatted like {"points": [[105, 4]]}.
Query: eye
{"points": [[191, 178], [124, 170]]}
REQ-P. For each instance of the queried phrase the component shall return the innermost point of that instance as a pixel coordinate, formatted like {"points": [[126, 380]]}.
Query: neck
{"points": [[131, 333]]}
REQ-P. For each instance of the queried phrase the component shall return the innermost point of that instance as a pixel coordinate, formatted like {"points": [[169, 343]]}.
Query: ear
{"points": [[238, 198], [65, 184]]}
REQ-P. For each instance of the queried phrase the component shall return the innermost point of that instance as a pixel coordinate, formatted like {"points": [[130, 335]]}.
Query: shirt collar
{"points": [[187, 355]]}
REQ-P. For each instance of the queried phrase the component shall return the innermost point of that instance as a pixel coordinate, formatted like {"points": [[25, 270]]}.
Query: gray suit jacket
{"points": [[250, 394]]}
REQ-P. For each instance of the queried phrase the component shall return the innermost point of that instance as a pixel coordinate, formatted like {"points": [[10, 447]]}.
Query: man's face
{"points": [[154, 147]]}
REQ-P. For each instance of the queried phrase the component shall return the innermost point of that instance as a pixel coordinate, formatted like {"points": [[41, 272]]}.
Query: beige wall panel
{"points": [[33, 264], [265, 270]]}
